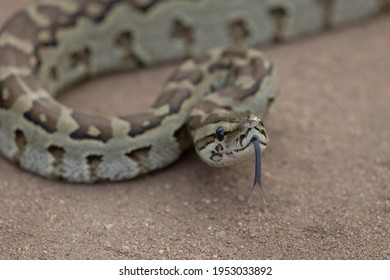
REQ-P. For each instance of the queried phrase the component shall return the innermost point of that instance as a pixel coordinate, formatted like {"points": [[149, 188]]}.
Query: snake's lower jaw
{"points": [[233, 157]]}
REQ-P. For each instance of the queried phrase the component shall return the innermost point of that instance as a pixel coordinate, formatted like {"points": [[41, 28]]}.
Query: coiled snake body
{"points": [[214, 100]]}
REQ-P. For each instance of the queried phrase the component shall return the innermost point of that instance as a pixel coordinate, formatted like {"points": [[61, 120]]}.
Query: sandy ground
{"points": [[326, 172]]}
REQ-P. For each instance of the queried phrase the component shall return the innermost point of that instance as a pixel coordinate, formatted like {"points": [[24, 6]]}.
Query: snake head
{"points": [[225, 138]]}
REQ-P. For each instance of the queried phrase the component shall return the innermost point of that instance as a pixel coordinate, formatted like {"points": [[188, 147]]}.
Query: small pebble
{"points": [[108, 226], [221, 234]]}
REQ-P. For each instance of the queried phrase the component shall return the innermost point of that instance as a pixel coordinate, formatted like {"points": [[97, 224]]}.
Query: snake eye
{"points": [[220, 133]]}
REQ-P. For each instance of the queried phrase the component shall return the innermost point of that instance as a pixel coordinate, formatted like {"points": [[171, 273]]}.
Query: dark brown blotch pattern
{"points": [[207, 106], [194, 122], [232, 91], [226, 117], [221, 64], [270, 101], [238, 30], [194, 76], [238, 93], [234, 53], [202, 58], [142, 122], [141, 156], [182, 137], [145, 7], [31, 81], [21, 142], [125, 41], [184, 31], [327, 7], [279, 14], [58, 154], [89, 125], [256, 69], [173, 98], [55, 14], [10, 91], [9, 56], [22, 26], [53, 73], [44, 113], [80, 57], [94, 162]]}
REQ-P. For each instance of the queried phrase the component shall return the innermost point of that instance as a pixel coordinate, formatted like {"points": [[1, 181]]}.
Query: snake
{"points": [[216, 100]]}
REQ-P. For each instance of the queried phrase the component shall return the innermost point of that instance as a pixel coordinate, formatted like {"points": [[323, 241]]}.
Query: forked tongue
{"points": [[257, 180]]}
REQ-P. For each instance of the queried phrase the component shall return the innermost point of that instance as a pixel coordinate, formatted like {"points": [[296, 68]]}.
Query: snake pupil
{"points": [[220, 133]]}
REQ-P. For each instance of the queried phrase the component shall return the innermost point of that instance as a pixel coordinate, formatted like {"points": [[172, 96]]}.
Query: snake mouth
{"points": [[254, 138]]}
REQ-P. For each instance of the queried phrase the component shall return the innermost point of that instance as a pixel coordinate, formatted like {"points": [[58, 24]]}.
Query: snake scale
{"points": [[214, 100]]}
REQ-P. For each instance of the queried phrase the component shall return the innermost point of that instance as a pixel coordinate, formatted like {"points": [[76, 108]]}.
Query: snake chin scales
{"points": [[53, 44]]}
